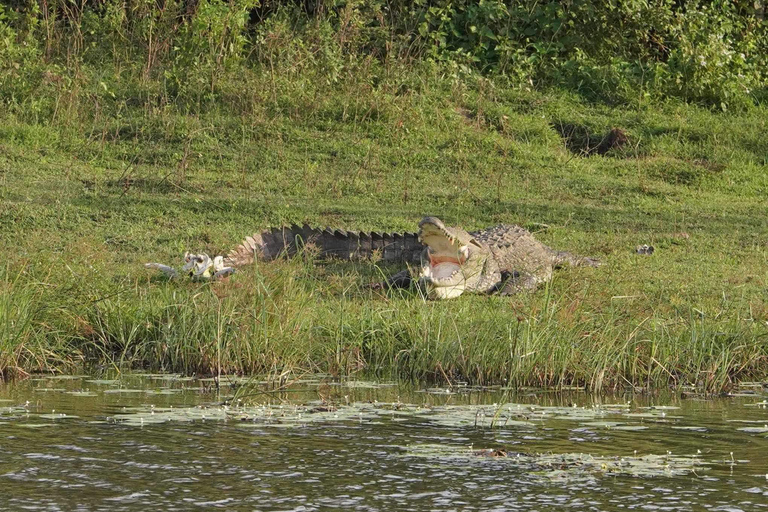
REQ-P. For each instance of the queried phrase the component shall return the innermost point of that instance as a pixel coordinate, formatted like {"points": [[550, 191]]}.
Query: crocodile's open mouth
{"points": [[445, 267], [442, 275], [443, 280]]}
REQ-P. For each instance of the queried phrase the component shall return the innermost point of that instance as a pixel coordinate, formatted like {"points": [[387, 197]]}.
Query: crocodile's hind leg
{"points": [[399, 280], [515, 282], [566, 258]]}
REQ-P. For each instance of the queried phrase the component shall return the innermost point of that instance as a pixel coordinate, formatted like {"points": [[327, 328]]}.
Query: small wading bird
{"points": [[449, 261]]}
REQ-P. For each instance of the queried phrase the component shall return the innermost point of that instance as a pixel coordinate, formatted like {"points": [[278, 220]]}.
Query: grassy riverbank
{"points": [[107, 163], [84, 206]]}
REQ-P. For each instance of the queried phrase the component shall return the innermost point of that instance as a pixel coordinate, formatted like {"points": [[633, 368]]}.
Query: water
{"points": [[164, 443]]}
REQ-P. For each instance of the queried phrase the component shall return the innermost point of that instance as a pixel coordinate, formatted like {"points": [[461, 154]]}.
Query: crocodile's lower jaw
{"points": [[442, 280], [443, 292]]}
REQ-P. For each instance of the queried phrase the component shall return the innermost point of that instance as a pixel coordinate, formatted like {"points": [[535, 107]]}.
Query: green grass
{"points": [[86, 198]]}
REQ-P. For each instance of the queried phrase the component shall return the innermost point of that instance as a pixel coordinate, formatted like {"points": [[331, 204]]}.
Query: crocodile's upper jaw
{"points": [[451, 260]]}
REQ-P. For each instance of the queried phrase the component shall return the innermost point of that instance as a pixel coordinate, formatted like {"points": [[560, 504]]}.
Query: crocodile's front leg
{"points": [[514, 282], [399, 280]]}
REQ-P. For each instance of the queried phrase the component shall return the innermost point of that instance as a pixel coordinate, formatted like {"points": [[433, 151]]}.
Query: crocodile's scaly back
{"points": [[330, 243], [516, 250]]}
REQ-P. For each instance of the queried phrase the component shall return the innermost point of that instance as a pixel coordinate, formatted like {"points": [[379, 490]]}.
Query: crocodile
{"points": [[443, 261]]}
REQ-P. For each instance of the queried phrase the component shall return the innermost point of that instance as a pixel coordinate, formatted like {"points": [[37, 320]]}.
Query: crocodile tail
{"points": [[330, 243], [566, 258], [389, 247], [269, 244], [249, 250]]}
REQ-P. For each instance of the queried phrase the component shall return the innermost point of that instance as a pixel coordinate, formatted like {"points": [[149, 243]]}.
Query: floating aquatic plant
{"points": [[568, 466]]}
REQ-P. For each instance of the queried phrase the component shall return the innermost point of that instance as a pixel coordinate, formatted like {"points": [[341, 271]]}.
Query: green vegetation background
{"points": [[131, 131]]}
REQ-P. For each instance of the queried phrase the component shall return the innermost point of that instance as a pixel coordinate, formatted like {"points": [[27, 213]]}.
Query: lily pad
{"points": [[755, 430], [567, 465], [60, 377], [362, 384], [606, 424], [57, 416]]}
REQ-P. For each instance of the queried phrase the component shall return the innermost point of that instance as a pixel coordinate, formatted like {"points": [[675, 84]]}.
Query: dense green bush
{"points": [[19, 54], [713, 53]]}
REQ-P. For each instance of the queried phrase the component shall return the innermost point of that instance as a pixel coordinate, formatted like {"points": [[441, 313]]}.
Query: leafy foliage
{"points": [[710, 52]]}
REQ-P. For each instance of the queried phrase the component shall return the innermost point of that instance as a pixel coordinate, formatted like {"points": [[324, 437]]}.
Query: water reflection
{"points": [[158, 442]]}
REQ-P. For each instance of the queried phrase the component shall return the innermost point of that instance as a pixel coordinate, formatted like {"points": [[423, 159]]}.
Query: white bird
{"points": [[197, 266]]}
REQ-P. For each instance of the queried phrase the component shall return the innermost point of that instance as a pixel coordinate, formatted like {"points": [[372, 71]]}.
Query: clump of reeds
{"points": [[296, 315]]}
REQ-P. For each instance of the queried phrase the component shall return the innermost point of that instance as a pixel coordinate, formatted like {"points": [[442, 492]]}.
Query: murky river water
{"points": [[144, 443]]}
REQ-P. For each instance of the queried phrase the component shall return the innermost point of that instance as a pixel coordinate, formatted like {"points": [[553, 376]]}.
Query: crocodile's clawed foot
{"points": [[514, 282], [591, 262], [399, 280]]}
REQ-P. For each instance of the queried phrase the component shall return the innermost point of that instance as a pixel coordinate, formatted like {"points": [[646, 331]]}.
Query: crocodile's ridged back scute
{"points": [[502, 235], [330, 243], [250, 249], [516, 250]]}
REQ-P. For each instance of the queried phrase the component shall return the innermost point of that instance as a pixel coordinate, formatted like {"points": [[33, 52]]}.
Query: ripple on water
{"points": [[163, 442]]}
